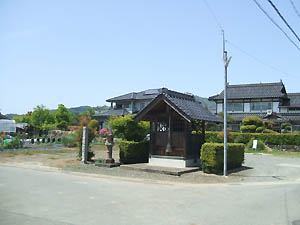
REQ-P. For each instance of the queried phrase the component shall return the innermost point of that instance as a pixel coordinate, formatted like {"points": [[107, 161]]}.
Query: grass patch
{"points": [[29, 152]]}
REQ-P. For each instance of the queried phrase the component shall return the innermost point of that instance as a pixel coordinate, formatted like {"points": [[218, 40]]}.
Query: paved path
{"points": [[36, 197]]}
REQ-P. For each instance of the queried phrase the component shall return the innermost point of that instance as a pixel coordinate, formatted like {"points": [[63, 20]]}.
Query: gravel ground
{"points": [[257, 168]]}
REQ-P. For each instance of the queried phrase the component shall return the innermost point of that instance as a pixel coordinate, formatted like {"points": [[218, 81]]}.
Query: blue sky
{"points": [[83, 52]]}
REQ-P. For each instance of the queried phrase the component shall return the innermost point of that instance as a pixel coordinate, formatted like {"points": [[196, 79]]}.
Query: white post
{"points": [[84, 149]]}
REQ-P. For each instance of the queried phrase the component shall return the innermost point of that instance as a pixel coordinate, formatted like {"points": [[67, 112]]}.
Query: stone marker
{"points": [[84, 149]]}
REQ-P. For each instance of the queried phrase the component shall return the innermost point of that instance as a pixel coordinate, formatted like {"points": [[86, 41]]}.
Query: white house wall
{"points": [[219, 107]]}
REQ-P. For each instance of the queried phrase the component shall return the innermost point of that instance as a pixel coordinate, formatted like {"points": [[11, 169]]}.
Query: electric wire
{"points": [[270, 18], [257, 59], [240, 49], [213, 15], [284, 20], [295, 9]]}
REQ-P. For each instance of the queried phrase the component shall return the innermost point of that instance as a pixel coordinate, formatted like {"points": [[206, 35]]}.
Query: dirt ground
{"points": [[53, 156]]}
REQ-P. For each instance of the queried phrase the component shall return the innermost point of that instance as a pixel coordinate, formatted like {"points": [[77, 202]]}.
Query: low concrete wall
{"points": [[176, 163], [287, 148]]}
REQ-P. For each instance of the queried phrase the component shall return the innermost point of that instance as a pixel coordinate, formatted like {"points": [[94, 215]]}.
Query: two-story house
{"points": [[265, 100], [128, 103]]}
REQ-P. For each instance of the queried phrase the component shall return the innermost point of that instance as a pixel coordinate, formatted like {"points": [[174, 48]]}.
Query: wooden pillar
{"points": [[187, 133], [169, 145], [151, 138], [203, 131]]}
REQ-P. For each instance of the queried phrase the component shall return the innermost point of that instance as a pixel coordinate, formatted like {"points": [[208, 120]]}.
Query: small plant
{"points": [[100, 160]]}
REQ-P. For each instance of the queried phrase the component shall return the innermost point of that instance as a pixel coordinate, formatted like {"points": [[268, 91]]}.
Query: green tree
{"points": [[62, 117], [252, 124], [23, 118], [89, 112], [42, 119], [128, 129]]}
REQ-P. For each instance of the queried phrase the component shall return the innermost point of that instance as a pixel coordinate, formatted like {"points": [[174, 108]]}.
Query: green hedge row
{"points": [[212, 157], [134, 152], [267, 138]]}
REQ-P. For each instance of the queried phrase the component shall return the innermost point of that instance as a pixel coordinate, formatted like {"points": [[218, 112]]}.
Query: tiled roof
{"points": [[111, 112], [292, 101], [143, 95], [2, 117], [185, 104], [248, 91], [282, 117]]}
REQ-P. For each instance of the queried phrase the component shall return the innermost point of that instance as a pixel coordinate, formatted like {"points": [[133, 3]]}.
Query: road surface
{"points": [[37, 197]]}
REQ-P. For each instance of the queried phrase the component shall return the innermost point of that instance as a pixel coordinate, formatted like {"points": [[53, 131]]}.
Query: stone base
{"points": [[108, 165], [109, 161]]}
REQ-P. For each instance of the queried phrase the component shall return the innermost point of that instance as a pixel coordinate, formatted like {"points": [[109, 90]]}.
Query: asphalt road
{"points": [[40, 198]]}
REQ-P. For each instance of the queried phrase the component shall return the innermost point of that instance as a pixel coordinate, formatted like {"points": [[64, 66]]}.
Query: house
{"points": [[265, 100], [130, 103], [172, 116]]}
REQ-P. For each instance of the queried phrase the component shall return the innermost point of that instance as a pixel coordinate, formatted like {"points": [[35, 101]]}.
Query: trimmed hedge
{"points": [[267, 138], [212, 157], [134, 152]]}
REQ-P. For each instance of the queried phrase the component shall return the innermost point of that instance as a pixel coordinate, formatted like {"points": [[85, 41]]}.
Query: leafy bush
{"points": [[268, 124], [14, 143], [212, 157], [248, 128], [218, 137], [251, 123], [260, 129], [269, 131], [69, 140], [273, 138], [260, 145], [134, 152], [127, 128]]}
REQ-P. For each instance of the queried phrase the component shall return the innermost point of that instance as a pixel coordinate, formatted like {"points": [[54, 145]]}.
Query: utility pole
{"points": [[226, 63]]}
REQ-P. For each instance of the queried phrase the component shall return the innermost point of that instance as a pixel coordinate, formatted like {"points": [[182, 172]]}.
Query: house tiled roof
{"points": [[251, 91], [142, 95], [292, 101], [2, 117], [111, 112], [185, 104], [282, 117]]}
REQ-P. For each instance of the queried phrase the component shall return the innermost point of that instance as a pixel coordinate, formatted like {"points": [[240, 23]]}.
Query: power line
{"points": [[295, 9], [286, 23], [257, 59], [213, 15], [270, 18]]}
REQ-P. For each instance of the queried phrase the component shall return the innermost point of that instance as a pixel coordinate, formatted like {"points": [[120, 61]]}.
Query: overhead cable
{"points": [[295, 9], [270, 18], [257, 59], [284, 20]]}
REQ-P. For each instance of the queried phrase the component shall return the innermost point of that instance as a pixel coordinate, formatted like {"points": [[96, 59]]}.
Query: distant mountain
{"points": [[211, 106], [11, 115], [78, 109]]}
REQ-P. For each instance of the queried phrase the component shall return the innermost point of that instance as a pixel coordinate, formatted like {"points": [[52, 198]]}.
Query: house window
{"points": [[142, 105], [235, 107], [126, 106], [261, 106]]}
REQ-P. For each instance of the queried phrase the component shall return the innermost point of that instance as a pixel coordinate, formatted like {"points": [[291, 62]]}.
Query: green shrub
{"points": [[127, 128], [268, 124], [273, 138], [260, 145], [269, 131], [212, 156], [134, 152], [242, 138], [260, 129], [218, 137], [248, 128], [69, 140]]}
